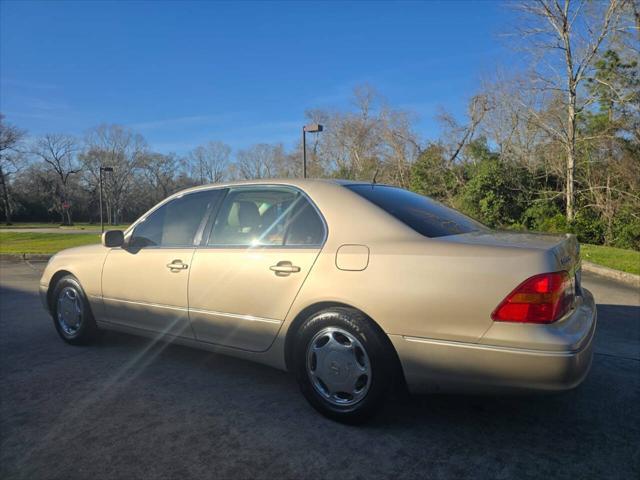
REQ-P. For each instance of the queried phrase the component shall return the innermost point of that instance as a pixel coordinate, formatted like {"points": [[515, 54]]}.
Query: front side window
{"points": [[424, 215], [175, 223], [276, 216]]}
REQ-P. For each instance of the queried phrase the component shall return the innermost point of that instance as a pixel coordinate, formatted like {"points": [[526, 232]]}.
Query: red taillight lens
{"points": [[540, 299]]}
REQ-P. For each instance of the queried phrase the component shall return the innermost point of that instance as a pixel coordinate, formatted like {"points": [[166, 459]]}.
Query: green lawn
{"points": [[21, 242], [617, 258], [75, 226], [30, 225]]}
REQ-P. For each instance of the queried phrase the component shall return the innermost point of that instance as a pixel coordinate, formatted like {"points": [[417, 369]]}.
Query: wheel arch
{"points": [[55, 278], [310, 310]]}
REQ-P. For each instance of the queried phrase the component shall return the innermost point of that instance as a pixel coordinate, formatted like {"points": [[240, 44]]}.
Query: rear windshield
{"points": [[425, 216]]}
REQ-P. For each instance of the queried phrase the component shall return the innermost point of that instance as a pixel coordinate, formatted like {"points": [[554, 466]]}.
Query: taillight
{"points": [[540, 299]]}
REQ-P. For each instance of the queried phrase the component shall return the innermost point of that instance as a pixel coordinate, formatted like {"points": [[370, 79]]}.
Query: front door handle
{"points": [[177, 265], [284, 268]]}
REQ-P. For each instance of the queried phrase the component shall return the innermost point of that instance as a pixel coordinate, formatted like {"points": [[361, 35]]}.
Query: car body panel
{"points": [[236, 300], [140, 290], [424, 288], [433, 297], [85, 263], [432, 365]]}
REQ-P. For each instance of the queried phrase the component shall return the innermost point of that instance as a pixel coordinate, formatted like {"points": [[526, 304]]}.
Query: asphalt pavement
{"points": [[129, 408]]}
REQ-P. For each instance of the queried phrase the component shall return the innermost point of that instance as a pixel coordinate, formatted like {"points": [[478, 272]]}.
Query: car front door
{"points": [[144, 284], [251, 265]]}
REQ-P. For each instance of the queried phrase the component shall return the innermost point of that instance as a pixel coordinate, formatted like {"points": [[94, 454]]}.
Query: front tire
{"points": [[343, 364], [71, 312]]}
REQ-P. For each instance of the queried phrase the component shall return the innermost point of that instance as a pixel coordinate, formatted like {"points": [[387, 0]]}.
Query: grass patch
{"points": [[21, 242], [617, 258], [75, 226], [17, 225]]}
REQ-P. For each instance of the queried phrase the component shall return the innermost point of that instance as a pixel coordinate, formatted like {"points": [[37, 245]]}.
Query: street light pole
{"points": [[304, 152], [311, 128], [101, 221], [102, 169]]}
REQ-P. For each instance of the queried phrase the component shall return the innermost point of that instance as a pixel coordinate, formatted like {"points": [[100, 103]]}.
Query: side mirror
{"points": [[113, 238]]}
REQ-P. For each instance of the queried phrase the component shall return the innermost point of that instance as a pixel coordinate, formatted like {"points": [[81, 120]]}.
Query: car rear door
{"points": [[259, 249], [144, 284]]}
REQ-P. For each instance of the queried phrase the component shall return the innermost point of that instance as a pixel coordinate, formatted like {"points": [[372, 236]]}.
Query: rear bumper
{"points": [[434, 365]]}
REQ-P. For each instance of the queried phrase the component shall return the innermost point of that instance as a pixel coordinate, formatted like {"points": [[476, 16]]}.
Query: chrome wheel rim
{"points": [[338, 366], [70, 310]]}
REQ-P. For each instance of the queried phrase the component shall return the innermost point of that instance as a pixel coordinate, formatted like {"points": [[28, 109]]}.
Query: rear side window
{"points": [[175, 223], [424, 215]]}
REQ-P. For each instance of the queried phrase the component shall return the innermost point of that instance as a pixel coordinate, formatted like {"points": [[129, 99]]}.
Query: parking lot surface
{"points": [[129, 408]]}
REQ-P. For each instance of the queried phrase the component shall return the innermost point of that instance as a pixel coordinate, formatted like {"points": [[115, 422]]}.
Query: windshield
{"points": [[424, 215]]}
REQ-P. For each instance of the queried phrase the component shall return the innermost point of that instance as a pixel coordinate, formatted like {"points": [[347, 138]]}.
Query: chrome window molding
{"points": [[259, 247]]}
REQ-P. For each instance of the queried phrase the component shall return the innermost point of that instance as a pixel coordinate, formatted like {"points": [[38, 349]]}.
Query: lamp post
{"points": [[102, 169], [311, 128]]}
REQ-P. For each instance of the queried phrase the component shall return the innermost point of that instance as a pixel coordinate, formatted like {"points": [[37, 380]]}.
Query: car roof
{"points": [[295, 182], [328, 195]]}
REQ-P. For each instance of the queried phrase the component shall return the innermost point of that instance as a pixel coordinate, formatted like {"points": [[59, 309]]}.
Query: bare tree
{"points": [[160, 172], [507, 124], [210, 162], [259, 161], [59, 154], [372, 139], [11, 160], [123, 150], [566, 39], [518, 137], [460, 135], [401, 145]]}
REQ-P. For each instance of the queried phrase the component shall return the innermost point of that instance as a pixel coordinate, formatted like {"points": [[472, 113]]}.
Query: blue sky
{"points": [[183, 73]]}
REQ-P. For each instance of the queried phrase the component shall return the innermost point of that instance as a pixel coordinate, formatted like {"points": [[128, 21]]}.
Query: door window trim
{"points": [[204, 243]]}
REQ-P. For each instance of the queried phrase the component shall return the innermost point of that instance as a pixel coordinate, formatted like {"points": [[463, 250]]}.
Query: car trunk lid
{"points": [[565, 249]]}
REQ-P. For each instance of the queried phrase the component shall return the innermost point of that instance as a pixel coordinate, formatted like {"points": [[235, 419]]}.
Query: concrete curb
{"points": [[624, 277]]}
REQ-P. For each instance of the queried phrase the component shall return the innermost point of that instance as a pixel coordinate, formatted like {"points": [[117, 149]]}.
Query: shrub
{"points": [[588, 227], [495, 192], [626, 229], [545, 216]]}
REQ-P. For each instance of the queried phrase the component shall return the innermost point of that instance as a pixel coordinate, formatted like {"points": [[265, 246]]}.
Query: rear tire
{"points": [[71, 312], [343, 364]]}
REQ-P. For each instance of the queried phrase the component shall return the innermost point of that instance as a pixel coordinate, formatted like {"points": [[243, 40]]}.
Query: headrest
{"points": [[248, 215]]}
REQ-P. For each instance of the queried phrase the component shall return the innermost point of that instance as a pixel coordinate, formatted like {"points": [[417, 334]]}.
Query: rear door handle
{"points": [[284, 268], [177, 265]]}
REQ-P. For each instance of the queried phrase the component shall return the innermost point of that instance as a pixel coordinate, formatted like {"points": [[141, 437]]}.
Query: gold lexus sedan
{"points": [[357, 288]]}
